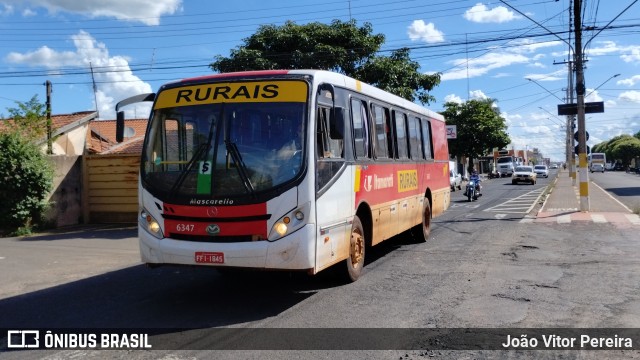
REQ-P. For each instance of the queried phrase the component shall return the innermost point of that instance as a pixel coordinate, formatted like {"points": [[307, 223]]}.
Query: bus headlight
{"points": [[290, 222], [150, 224]]}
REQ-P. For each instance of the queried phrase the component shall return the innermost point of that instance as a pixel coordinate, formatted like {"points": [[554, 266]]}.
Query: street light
{"points": [[599, 86], [545, 89]]}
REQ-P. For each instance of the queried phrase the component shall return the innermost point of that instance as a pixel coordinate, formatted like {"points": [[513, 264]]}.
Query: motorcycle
{"points": [[473, 190]]}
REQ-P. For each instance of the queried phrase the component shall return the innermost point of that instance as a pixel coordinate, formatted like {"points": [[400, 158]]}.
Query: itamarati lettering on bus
{"points": [[233, 92]]}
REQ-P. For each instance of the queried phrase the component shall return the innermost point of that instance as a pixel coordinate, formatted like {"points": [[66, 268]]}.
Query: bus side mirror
{"points": [[119, 126], [336, 124]]}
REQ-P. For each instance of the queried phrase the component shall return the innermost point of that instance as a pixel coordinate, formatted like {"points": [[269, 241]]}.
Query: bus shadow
{"points": [[167, 297]]}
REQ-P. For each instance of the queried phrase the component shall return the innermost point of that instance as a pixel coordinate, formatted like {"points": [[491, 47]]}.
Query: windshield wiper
{"points": [[232, 149], [202, 148]]}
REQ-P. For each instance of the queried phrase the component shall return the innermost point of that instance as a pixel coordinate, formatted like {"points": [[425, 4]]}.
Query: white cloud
{"points": [[630, 81], [560, 74], [28, 13], [592, 96], [6, 9], [453, 98], [480, 13], [477, 95], [628, 54], [428, 33], [531, 46], [113, 86], [144, 11], [499, 59], [630, 96], [633, 57], [482, 65]]}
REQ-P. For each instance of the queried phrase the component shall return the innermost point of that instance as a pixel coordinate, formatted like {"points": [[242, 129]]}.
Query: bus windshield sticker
{"points": [[204, 178]]}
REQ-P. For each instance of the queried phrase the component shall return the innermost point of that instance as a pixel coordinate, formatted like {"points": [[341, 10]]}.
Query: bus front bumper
{"points": [[293, 252]]}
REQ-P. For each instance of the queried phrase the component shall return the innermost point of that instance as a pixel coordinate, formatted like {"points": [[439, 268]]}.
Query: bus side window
{"points": [[415, 143], [330, 142], [401, 134], [360, 122], [426, 139], [382, 141]]}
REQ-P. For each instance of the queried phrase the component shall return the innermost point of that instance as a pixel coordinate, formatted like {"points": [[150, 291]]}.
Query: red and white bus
{"points": [[296, 170]]}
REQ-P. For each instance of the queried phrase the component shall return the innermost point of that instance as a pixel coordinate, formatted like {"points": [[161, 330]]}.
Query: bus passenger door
{"points": [[334, 187]]}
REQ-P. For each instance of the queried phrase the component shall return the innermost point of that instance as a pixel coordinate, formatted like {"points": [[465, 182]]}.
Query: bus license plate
{"points": [[204, 257]]}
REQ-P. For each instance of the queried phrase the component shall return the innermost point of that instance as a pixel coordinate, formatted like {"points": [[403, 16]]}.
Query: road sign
{"points": [[576, 149], [451, 132], [589, 108], [586, 133]]}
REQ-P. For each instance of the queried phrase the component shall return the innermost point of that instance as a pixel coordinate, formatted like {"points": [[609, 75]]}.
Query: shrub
{"points": [[26, 178]]}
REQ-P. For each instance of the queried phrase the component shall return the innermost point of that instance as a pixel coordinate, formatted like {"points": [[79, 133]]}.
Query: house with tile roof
{"points": [[95, 176], [102, 137], [69, 132]]}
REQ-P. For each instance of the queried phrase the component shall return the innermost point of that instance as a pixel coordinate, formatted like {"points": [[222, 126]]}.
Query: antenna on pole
{"points": [[95, 90], [49, 122]]}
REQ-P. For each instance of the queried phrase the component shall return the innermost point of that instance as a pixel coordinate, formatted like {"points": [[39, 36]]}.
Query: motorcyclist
{"points": [[475, 177]]}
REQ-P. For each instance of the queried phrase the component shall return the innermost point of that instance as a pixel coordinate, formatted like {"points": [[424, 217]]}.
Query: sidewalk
{"points": [[563, 205]]}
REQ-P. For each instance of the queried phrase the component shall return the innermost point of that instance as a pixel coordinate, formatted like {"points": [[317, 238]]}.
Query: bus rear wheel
{"points": [[421, 232], [355, 261]]}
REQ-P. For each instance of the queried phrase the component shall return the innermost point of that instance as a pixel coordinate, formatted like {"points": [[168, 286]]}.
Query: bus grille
{"points": [[211, 239]]}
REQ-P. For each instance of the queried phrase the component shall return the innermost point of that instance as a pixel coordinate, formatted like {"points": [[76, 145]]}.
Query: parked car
{"points": [[541, 170], [524, 174], [618, 167], [455, 180]]}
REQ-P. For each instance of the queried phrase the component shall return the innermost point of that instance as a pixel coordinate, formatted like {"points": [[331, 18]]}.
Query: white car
{"points": [[455, 180], [541, 170], [524, 174], [597, 167]]}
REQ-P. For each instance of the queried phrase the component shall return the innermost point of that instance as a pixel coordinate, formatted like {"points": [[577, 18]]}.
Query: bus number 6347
{"points": [[184, 227]]}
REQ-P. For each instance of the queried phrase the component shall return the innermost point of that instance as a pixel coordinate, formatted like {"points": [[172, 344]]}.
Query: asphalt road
{"points": [[480, 269], [621, 185]]}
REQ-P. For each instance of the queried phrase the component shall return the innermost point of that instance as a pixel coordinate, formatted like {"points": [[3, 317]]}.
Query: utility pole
{"points": [[580, 91], [49, 125]]}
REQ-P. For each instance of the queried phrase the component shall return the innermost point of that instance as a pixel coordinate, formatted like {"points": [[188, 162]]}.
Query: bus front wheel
{"points": [[355, 261]]}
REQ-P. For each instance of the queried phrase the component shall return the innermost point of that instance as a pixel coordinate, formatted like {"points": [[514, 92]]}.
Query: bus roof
{"points": [[323, 76]]}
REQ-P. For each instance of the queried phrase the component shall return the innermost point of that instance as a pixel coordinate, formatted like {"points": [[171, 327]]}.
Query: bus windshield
{"points": [[505, 159], [223, 149]]}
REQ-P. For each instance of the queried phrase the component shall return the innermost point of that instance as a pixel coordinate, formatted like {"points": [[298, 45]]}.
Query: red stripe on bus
{"points": [[257, 227], [211, 211], [238, 74]]}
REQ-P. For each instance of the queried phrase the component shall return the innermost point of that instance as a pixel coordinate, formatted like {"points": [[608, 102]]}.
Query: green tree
{"points": [[340, 46], [479, 127], [26, 175], [26, 178], [626, 149], [28, 119]]}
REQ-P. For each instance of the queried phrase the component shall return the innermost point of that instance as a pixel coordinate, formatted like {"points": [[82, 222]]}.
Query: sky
{"points": [[515, 52]]}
